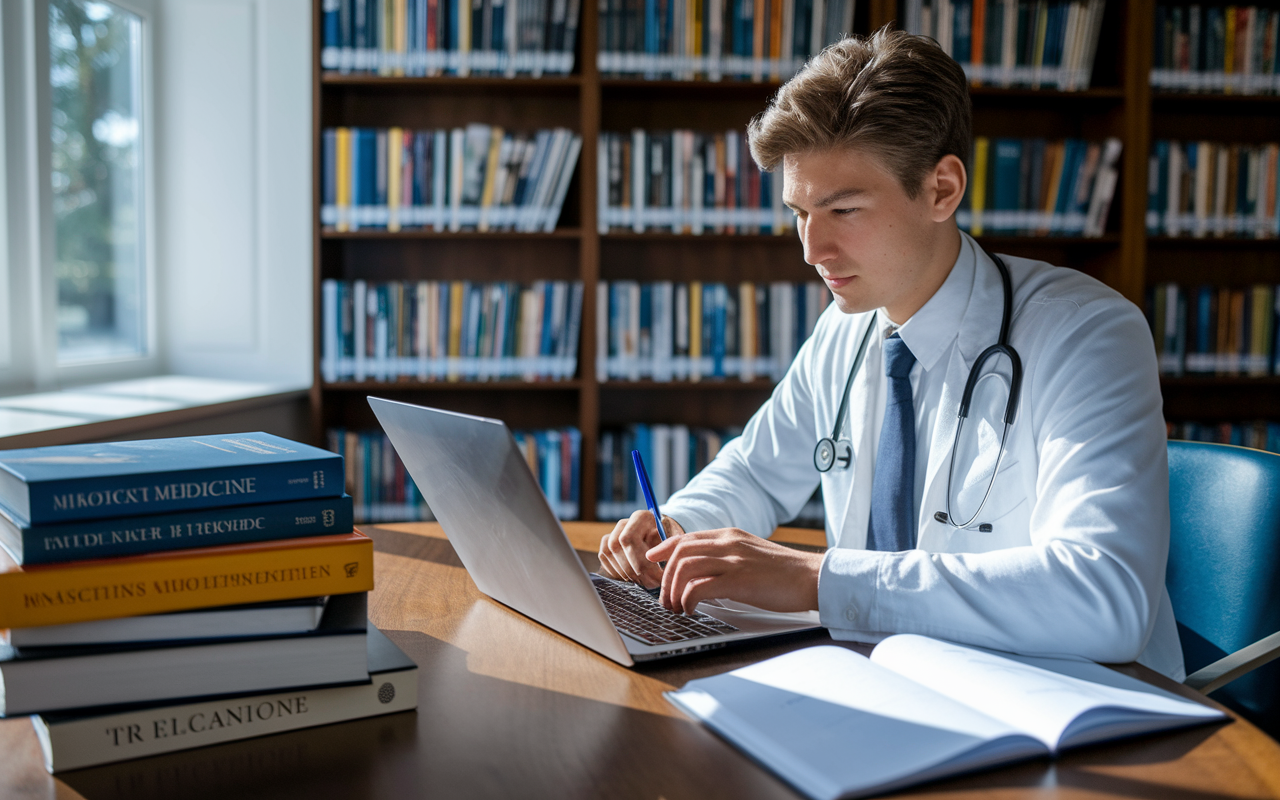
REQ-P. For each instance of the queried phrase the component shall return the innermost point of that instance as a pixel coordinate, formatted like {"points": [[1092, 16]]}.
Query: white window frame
{"points": [[28, 294]]}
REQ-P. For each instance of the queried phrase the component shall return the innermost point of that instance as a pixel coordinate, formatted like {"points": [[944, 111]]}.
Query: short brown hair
{"points": [[897, 95]]}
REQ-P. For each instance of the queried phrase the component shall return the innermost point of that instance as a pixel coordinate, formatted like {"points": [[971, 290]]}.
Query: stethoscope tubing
{"points": [[827, 451]]}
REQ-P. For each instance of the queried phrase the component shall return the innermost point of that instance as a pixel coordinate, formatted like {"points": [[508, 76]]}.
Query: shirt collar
{"points": [[930, 331]]}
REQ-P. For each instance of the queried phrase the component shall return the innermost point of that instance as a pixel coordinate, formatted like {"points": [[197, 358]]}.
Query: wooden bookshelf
{"points": [[1119, 103]]}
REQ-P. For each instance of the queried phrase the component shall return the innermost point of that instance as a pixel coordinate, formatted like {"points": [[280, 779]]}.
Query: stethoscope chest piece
{"points": [[829, 451]]}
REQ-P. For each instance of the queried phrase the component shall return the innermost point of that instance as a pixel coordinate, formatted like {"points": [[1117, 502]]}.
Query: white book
{"points": [[544, 161], [329, 317], [602, 331], [425, 323], [603, 151], [1173, 205], [562, 185], [1104, 187], [638, 173], [359, 308], [679, 166], [661, 484], [716, 39], [549, 178], [836, 724], [457, 146], [259, 619], [74, 741], [679, 457]]}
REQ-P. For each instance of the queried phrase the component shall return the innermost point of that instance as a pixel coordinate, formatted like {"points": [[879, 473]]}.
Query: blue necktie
{"points": [[893, 487]]}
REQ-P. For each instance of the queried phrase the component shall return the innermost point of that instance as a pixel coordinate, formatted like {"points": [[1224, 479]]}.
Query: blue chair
{"points": [[1224, 574]]}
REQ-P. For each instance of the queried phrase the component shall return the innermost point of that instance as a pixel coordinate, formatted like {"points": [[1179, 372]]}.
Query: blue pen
{"points": [[643, 476]]}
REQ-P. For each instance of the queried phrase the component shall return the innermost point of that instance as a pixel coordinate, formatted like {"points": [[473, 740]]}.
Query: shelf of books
{"points": [[545, 211]]}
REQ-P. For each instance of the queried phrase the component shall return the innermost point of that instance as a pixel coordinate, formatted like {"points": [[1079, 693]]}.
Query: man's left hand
{"points": [[733, 564]]}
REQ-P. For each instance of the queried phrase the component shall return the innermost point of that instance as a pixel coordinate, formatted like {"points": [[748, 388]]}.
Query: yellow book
{"points": [[1054, 157], [747, 330], [395, 158], [463, 45], [695, 331], [978, 199], [695, 42], [490, 176], [81, 591], [387, 43], [456, 299], [1042, 27], [1229, 46], [401, 34], [344, 178]]}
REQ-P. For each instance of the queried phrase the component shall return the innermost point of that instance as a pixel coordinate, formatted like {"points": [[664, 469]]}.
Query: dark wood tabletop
{"points": [[510, 709]]}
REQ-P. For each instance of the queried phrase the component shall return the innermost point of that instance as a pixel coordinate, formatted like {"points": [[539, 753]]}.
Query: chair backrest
{"points": [[1224, 564]]}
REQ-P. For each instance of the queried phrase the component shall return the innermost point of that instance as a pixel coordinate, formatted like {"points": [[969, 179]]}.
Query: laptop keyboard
{"points": [[636, 612]]}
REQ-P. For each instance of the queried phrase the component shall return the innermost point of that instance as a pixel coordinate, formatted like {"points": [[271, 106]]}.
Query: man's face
{"points": [[867, 239]]}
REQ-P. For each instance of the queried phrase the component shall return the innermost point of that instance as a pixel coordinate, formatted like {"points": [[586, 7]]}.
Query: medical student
{"points": [[1046, 536]]}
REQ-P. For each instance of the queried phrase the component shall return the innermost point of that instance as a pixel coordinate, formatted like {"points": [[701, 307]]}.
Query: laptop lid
{"points": [[479, 486]]}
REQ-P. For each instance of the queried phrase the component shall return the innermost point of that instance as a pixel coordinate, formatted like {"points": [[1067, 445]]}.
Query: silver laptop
{"points": [[477, 482]]}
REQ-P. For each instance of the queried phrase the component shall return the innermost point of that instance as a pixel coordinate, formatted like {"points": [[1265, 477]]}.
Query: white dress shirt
{"points": [[1075, 559]]}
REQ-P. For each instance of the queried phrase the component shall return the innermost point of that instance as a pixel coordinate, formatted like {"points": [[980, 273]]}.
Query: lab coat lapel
{"points": [[979, 329]]}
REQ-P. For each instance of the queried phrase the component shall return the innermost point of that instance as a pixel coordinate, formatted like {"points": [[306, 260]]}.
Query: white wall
{"points": [[233, 183]]}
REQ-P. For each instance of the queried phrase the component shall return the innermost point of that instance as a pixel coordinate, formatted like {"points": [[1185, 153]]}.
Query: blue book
{"points": [[329, 55], [720, 294], [181, 530], [124, 479], [962, 35], [1007, 186]]}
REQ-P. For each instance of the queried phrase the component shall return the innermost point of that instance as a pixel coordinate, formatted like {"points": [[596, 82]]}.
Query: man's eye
{"points": [[844, 211]]}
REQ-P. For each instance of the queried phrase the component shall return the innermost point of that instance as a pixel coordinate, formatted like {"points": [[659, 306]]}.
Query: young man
{"points": [[1067, 552]]}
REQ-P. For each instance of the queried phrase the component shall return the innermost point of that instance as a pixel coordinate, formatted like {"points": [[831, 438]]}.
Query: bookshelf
{"points": [[1119, 103]]}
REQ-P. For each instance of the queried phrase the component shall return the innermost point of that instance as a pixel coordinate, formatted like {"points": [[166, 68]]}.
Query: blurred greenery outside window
{"points": [[95, 57]]}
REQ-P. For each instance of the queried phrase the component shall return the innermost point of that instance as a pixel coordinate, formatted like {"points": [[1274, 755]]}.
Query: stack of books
{"points": [[172, 593]]}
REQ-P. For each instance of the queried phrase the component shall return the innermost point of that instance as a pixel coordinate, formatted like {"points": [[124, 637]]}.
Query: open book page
{"points": [[1062, 703], [833, 724]]}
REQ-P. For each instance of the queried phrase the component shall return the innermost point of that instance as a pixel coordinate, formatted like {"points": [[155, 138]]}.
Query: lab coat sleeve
{"points": [[1091, 581], [766, 475]]}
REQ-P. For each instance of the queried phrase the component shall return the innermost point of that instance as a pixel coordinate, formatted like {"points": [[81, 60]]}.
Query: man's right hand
{"points": [[622, 550]]}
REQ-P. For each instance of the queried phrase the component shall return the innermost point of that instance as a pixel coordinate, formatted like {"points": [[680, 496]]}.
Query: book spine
{"points": [[159, 582], [120, 495], [88, 741], [51, 544]]}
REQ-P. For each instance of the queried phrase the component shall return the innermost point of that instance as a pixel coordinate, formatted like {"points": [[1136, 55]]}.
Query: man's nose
{"points": [[819, 244]]}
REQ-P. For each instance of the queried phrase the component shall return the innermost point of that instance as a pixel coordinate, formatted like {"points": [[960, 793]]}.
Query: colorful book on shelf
{"points": [[920, 709], [53, 594], [114, 479], [41, 679], [74, 741], [179, 530]]}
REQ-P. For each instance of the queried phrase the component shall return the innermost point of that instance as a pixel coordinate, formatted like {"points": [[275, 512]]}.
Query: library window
{"points": [[96, 174]]}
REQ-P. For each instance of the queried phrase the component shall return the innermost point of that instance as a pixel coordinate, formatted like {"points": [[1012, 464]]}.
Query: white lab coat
{"points": [[1075, 562]]}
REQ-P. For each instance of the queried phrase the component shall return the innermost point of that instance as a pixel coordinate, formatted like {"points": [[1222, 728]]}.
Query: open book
{"points": [[834, 723]]}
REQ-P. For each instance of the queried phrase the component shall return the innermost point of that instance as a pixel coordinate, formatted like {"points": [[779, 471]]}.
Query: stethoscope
{"points": [[833, 449]]}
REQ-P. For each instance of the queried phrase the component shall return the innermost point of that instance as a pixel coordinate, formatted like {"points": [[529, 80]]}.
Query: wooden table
{"points": [[509, 709]]}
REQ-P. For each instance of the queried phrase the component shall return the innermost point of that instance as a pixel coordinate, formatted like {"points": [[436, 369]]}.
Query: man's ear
{"points": [[946, 185]]}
